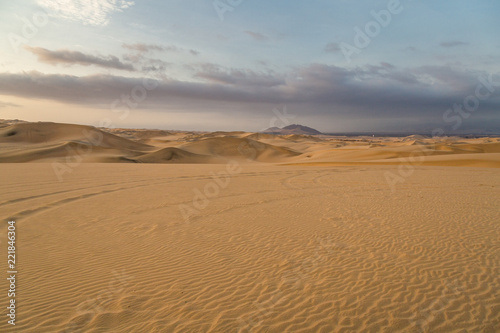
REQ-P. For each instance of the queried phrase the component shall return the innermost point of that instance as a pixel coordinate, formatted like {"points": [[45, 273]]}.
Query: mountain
{"points": [[292, 129]]}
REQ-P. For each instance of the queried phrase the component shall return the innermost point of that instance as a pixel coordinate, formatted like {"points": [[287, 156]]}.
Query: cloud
{"points": [[148, 65], [379, 94], [172, 48], [155, 66], [6, 104], [135, 57], [143, 48], [332, 48], [77, 58], [446, 77], [257, 35], [94, 12], [452, 44], [238, 77]]}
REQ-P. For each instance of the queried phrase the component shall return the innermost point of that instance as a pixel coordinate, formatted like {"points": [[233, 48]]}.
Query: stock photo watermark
{"points": [[29, 29], [422, 319], [223, 6], [483, 91], [249, 149], [454, 115], [281, 118], [122, 106], [211, 190], [364, 35], [11, 272]]}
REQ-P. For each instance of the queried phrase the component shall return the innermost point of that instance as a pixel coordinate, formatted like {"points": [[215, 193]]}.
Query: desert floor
{"points": [[166, 231], [273, 248]]}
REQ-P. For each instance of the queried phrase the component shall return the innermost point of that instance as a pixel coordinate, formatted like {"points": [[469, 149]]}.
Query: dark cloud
{"points": [[388, 71], [446, 77], [77, 58], [257, 35], [332, 48], [239, 77], [380, 94], [452, 44], [146, 64]]}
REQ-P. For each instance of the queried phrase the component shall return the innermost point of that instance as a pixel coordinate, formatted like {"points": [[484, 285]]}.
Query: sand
{"points": [[299, 234], [70, 144]]}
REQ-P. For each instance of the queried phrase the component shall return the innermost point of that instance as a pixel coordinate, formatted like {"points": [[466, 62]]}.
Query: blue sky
{"points": [[70, 61]]}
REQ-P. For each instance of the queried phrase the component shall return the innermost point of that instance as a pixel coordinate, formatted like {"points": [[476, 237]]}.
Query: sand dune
{"points": [[49, 142], [174, 155], [53, 132], [62, 150], [171, 231], [259, 136], [298, 137], [241, 149]]}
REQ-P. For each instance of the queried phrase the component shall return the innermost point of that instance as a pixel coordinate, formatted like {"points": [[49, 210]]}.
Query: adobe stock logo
{"points": [[223, 6], [29, 29], [363, 37]]}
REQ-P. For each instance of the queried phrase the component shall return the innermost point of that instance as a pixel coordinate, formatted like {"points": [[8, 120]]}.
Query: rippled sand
{"points": [[274, 248]]}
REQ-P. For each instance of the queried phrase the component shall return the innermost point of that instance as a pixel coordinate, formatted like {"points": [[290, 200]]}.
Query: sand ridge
{"points": [[49, 142]]}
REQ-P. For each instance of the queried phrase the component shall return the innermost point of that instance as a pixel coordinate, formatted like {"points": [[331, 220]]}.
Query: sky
{"points": [[334, 65]]}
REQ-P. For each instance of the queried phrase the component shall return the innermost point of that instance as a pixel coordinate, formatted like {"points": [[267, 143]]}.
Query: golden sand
{"points": [[277, 234]]}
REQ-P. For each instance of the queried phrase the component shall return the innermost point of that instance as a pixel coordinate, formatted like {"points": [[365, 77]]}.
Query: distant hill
{"points": [[292, 129]]}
